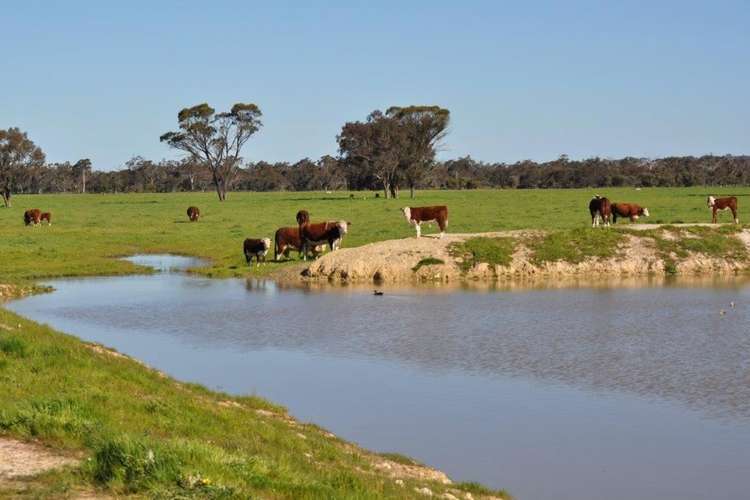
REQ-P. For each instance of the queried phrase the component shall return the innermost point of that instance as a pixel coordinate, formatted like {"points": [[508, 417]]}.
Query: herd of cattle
{"points": [[309, 239], [604, 211]]}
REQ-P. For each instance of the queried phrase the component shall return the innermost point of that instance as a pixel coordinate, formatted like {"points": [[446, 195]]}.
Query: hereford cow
{"points": [[729, 203], [417, 215], [193, 213], [631, 210], [33, 216], [257, 249], [286, 239], [318, 233], [46, 216], [601, 210]]}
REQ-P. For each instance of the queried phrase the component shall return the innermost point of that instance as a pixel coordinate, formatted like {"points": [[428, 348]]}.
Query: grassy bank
{"points": [[90, 229], [139, 432]]}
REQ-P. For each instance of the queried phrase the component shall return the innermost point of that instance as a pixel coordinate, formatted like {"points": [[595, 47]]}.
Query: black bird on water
{"points": [[377, 292]]}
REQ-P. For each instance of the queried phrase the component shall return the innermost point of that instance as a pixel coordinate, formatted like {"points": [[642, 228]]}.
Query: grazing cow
{"points": [[46, 216], [286, 239], [257, 249], [33, 216], [729, 203], [417, 215], [193, 213], [318, 233], [631, 210], [600, 209]]}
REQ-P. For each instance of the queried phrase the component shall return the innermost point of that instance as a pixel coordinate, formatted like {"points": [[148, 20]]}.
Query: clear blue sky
{"points": [[522, 79]]}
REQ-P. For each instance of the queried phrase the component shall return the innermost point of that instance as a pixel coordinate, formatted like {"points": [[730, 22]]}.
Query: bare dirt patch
{"points": [[19, 459]]}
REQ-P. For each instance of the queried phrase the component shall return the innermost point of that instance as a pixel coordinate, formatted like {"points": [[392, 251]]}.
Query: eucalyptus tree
{"points": [[18, 154], [82, 168], [422, 128], [215, 139]]}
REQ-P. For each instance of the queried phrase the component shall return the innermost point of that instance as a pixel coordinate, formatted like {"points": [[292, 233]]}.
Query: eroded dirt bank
{"points": [[638, 250]]}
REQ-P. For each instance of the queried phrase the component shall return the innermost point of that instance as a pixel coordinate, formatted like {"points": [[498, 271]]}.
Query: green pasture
{"points": [[89, 230]]}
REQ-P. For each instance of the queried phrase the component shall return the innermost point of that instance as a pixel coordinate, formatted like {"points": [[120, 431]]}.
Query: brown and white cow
{"points": [[286, 239], [631, 210], [317, 233], [600, 209], [256, 248], [193, 213], [33, 216], [46, 216], [417, 215], [728, 203]]}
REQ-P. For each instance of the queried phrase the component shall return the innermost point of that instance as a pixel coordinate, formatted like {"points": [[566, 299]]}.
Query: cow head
{"points": [[644, 212], [266, 243], [711, 201], [343, 226], [407, 213], [303, 216]]}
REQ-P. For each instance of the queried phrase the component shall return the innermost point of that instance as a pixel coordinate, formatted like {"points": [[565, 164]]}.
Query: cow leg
{"points": [[419, 229], [713, 216], [734, 214]]}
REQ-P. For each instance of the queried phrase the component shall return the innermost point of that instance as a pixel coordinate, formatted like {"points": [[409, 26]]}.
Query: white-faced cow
{"points": [[286, 239], [417, 215], [256, 248], [600, 209], [317, 233], [631, 210], [729, 203]]}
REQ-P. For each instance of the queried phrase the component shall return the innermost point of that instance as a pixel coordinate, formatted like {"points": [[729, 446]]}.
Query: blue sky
{"points": [[522, 79]]}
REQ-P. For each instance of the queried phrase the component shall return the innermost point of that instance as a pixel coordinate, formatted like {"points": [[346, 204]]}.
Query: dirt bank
{"points": [[638, 250]]}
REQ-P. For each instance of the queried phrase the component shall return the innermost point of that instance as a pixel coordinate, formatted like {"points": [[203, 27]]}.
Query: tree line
{"points": [[386, 152]]}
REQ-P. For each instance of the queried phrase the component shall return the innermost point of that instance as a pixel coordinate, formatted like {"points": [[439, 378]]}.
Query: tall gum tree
{"points": [[18, 154], [215, 139], [422, 130]]}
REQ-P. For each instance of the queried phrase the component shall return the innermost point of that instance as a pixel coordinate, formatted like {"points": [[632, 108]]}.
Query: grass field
{"points": [[89, 230], [145, 434]]}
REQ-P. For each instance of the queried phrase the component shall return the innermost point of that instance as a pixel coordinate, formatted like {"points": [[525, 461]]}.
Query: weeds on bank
{"points": [[575, 245], [492, 251]]}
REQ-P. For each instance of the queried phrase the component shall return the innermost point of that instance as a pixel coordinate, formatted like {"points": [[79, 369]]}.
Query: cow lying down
{"points": [[256, 248]]}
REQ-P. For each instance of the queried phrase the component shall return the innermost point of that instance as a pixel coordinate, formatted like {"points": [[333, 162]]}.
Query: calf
{"points": [[46, 216], [193, 213], [631, 210], [716, 204], [417, 215], [318, 233], [33, 216], [601, 210], [257, 249], [286, 239]]}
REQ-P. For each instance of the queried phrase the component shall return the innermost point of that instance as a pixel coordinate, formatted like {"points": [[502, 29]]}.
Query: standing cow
{"points": [[600, 209], [286, 239], [631, 210], [256, 248], [313, 234], [193, 213], [32, 217], [716, 204], [417, 215]]}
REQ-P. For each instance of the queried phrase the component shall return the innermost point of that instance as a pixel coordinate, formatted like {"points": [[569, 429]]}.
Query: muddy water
{"points": [[585, 393]]}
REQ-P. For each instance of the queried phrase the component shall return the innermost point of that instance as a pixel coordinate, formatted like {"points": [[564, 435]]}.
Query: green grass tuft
{"points": [[427, 261], [575, 245], [493, 251]]}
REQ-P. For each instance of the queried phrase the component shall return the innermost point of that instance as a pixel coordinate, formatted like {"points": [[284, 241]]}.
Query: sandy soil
{"points": [[393, 261], [20, 459]]}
